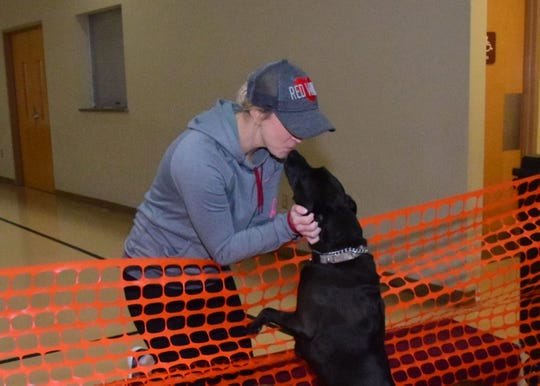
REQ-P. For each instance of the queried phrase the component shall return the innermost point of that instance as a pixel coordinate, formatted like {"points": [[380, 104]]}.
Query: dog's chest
{"points": [[337, 289], [359, 271]]}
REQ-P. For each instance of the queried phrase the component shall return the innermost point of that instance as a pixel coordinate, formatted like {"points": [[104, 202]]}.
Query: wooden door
{"points": [[511, 87], [32, 128]]}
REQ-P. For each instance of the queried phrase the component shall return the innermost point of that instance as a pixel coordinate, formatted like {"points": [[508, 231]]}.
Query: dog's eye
{"points": [[319, 218], [351, 203]]}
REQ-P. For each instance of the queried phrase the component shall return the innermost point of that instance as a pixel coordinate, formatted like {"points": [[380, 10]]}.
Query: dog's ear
{"points": [[350, 203]]}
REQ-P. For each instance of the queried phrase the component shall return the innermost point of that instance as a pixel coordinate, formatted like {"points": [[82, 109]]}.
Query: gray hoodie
{"points": [[208, 199]]}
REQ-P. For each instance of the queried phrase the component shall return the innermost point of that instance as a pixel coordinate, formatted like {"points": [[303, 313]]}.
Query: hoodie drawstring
{"points": [[260, 196]]}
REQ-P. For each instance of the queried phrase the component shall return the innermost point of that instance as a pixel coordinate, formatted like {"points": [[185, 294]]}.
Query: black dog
{"points": [[339, 322]]}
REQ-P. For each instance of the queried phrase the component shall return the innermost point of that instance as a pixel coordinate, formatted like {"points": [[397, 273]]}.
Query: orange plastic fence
{"points": [[459, 277]]}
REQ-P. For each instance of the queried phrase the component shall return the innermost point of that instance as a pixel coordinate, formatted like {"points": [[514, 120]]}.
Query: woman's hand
{"points": [[303, 223]]}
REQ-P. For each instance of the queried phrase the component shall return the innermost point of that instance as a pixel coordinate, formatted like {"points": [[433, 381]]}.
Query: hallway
{"points": [[38, 227]]}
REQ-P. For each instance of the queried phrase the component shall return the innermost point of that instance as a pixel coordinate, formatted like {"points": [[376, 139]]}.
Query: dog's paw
{"points": [[254, 327]]}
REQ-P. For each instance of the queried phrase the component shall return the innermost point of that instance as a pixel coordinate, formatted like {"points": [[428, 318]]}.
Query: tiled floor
{"points": [[38, 227]]}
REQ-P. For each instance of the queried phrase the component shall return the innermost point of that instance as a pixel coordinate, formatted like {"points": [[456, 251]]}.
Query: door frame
{"points": [[12, 102], [531, 63]]}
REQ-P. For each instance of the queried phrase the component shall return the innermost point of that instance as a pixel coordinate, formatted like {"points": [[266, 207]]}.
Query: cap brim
{"points": [[305, 124]]}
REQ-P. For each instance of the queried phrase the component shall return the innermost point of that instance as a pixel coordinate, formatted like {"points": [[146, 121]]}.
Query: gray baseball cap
{"points": [[288, 92]]}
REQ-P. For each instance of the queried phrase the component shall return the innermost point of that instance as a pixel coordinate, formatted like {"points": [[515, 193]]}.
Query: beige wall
{"points": [[395, 77]]}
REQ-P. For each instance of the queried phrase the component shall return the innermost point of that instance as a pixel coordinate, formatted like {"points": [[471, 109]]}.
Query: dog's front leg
{"points": [[288, 321]]}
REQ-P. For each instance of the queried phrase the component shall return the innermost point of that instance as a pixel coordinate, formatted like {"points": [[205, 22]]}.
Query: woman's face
{"points": [[277, 139]]}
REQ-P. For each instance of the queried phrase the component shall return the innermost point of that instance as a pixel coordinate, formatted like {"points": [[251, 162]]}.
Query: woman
{"points": [[216, 188]]}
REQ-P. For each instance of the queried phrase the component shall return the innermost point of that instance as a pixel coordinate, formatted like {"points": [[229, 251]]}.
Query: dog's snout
{"points": [[292, 158], [295, 160]]}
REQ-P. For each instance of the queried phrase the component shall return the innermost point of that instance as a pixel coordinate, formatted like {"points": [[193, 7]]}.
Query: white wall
{"points": [[392, 75]]}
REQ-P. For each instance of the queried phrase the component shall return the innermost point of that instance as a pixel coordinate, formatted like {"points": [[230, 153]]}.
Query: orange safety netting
{"points": [[459, 278]]}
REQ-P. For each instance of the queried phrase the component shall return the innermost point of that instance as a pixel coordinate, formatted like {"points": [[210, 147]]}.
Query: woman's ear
{"points": [[258, 115]]}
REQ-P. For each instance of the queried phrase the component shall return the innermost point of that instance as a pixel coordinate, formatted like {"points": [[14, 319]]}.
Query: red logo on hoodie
{"points": [[303, 88]]}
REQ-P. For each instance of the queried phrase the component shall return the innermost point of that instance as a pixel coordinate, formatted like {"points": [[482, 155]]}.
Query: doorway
{"points": [[29, 108], [511, 87]]}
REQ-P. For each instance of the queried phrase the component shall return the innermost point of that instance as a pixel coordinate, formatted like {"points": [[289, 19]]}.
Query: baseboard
{"points": [[77, 197], [97, 202], [6, 180]]}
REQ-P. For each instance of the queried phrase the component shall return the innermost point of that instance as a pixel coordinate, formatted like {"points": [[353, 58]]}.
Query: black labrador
{"points": [[339, 322]]}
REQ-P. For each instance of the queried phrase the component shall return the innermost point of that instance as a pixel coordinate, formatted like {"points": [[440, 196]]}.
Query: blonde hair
{"points": [[241, 96], [246, 104]]}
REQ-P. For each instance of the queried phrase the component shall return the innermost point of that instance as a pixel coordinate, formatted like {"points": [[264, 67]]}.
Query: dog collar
{"points": [[341, 255]]}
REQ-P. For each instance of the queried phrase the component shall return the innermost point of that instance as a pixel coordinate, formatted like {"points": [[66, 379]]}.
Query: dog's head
{"points": [[321, 193]]}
